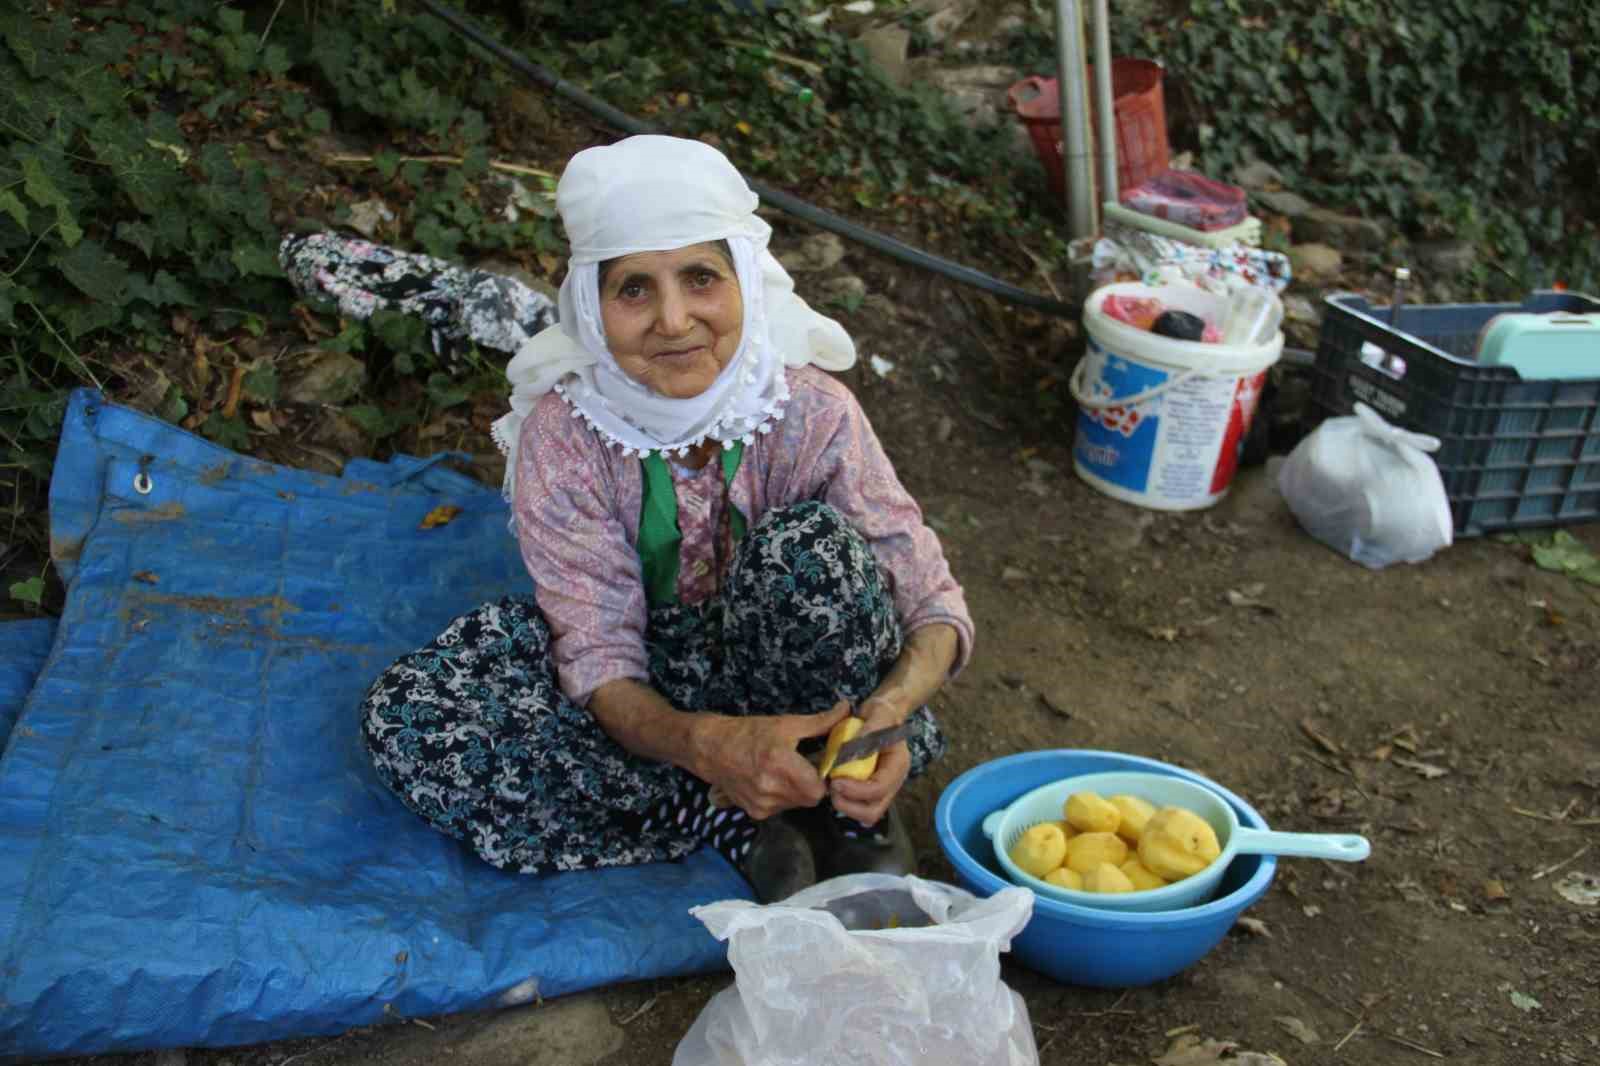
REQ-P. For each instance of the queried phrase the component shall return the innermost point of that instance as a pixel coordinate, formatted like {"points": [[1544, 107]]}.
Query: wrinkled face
{"points": [[672, 319]]}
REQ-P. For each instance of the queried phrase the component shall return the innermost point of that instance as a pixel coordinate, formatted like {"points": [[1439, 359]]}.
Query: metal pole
{"points": [[1072, 79], [1104, 101]]}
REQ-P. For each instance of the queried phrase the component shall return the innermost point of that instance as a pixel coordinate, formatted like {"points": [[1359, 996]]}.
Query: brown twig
{"points": [[1361, 1019], [1039, 265], [351, 160], [651, 1002], [1335, 767], [1354, 1029], [1559, 819], [1574, 857], [312, 1051]]}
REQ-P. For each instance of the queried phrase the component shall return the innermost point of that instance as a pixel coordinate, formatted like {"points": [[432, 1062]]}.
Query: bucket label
{"points": [[1177, 448], [1117, 442]]}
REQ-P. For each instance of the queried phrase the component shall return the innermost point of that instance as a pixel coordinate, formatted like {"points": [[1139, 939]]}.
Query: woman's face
{"points": [[672, 319]]}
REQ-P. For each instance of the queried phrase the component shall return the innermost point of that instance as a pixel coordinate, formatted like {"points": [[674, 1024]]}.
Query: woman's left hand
{"points": [[868, 801]]}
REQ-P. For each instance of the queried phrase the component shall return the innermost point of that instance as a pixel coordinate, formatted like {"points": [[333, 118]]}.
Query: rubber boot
{"points": [[886, 849], [779, 862]]}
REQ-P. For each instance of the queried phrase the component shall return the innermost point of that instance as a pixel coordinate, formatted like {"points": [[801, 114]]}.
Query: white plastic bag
{"points": [[1368, 490], [866, 970]]}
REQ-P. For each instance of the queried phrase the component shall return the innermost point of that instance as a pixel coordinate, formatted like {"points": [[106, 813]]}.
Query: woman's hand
{"points": [[916, 675], [754, 762], [868, 801]]}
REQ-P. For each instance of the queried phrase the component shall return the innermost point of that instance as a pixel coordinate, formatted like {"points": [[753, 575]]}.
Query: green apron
{"points": [[659, 536]]}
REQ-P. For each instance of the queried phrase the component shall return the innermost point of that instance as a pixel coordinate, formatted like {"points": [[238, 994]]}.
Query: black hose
{"points": [[778, 198]]}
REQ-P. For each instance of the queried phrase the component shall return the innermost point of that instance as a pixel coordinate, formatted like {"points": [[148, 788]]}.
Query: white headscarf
{"points": [[653, 194]]}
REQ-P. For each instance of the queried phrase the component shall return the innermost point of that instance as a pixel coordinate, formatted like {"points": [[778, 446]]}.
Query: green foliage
{"points": [[798, 105], [1474, 118], [111, 215], [30, 592]]}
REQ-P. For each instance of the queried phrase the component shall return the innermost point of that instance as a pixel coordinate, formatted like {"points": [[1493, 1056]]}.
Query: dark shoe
{"points": [[885, 849], [779, 862]]}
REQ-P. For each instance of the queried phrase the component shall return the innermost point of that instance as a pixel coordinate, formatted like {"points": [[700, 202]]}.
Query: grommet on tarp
{"points": [[141, 481]]}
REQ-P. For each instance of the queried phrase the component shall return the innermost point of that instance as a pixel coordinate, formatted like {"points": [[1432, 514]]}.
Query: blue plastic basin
{"points": [[1082, 945]]}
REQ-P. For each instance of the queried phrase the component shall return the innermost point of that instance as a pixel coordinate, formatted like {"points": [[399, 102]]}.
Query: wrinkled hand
{"points": [[867, 801], [753, 761]]}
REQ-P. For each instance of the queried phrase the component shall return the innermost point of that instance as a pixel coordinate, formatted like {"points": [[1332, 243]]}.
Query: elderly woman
{"points": [[724, 567]]}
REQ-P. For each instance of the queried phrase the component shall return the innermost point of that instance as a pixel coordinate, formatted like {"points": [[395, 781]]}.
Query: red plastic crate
{"points": [[1138, 108]]}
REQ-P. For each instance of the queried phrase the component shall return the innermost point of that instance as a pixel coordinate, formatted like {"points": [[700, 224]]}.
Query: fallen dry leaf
{"points": [[1493, 889], [1298, 1029], [439, 516], [1324, 742], [1245, 598], [1191, 1050], [1425, 769], [1255, 927], [1056, 704], [1411, 890]]}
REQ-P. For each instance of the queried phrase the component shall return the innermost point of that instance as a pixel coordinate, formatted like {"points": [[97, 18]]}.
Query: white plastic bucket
{"points": [[1161, 422]]}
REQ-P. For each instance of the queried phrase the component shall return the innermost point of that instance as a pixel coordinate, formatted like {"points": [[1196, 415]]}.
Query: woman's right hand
{"points": [[754, 760]]}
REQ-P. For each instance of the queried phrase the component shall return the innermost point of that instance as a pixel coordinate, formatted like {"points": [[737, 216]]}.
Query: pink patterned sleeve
{"points": [[570, 507], [837, 458]]}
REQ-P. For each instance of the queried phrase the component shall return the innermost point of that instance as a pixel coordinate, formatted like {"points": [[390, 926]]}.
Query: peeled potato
{"points": [[1040, 849], [1177, 843], [1088, 850], [1089, 812], [859, 769], [1065, 877], [1141, 875], [1106, 878], [1135, 812], [1068, 829]]}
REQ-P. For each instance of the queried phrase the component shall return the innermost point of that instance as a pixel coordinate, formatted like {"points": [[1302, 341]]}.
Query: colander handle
{"points": [[991, 823], [1342, 847]]}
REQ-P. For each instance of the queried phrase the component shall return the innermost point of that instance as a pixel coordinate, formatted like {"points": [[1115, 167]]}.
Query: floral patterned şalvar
{"points": [[473, 733]]}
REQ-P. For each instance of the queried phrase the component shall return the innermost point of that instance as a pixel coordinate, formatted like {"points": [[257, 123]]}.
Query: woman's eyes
{"points": [[697, 279]]}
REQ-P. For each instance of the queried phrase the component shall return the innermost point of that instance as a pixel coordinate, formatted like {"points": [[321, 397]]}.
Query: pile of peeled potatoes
{"points": [[1116, 844]]}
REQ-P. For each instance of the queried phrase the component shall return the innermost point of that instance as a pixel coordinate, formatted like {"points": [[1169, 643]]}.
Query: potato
{"points": [[1136, 812], [1068, 829], [1140, 875], [1088, 850], [1106, 878], [1177, 843], [1090, 813], [858, 769], [1063, 877], [1039, 849]]}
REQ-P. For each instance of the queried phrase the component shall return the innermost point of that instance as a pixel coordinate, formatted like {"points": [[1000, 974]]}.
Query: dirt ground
{"points": [[1445, 710]]}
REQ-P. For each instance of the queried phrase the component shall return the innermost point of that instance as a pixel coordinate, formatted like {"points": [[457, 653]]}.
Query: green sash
{"points": [[659, 536]]}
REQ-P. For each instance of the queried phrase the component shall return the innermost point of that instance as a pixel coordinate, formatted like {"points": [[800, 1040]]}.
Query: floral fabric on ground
{"points": [[459, 305]]}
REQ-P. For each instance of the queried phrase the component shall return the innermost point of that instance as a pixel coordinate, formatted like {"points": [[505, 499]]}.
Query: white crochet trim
{"points": [[728, 428]]}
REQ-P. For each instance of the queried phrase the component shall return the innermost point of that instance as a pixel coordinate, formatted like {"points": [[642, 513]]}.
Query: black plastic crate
{"points": [[1515, 454]]}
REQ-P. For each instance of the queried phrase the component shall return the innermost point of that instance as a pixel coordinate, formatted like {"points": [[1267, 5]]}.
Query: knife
{"points": [[858, 748], [870, 743]]}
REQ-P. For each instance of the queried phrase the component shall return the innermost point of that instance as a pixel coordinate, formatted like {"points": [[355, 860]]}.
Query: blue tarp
{"points": [[193, 849], [23, 647]]}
